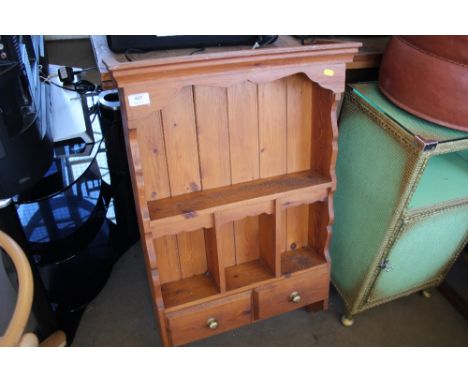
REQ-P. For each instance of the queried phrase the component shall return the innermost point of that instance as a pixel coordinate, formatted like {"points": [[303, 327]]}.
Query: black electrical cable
{"points": [[50, 82], [84, 86], [134, 50], [85, 70], [259, 44], [80, 87], [199, 50], [269, 41], [8, 63]]}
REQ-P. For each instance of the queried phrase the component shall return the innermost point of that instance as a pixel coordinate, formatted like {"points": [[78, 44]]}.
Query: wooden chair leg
{"points": [[56, 339], [29, 340]]}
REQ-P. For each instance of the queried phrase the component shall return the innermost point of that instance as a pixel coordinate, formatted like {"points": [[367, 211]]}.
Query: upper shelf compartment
{"points": [[192, 211], [233, 141]]}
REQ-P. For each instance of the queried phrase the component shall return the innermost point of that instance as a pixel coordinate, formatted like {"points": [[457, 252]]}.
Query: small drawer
{"points": [[204, 320], [292, 293]]}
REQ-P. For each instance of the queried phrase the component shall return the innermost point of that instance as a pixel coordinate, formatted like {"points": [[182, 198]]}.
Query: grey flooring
{"points": [[122, 315]]}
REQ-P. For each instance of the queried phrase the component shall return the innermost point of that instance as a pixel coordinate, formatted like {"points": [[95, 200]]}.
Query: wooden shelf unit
{"points": [[233, 167]]}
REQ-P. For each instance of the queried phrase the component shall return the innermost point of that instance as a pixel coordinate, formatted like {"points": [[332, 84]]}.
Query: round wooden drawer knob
{"points": [[212, 323], [295, 297]]}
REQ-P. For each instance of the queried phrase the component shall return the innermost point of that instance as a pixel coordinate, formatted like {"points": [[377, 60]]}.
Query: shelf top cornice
{"points": [[159, 80], [181, 67]]}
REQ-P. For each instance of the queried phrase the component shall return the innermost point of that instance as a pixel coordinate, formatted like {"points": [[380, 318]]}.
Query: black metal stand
{"points": [[41, 309]]}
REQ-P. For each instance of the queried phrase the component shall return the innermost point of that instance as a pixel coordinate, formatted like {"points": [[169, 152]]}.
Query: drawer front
{"points": [[291, 293], [210, 318]]}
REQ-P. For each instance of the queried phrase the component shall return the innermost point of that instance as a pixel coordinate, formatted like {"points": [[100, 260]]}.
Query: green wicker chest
{"points": [[401, 205]]}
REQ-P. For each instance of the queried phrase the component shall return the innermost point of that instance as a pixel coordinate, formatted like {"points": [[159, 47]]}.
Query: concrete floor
{"points": [[122, 314]]}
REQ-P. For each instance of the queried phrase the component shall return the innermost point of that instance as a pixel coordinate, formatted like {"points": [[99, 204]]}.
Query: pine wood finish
{"points": [[368, 57], [276, 298], [190, 324], [233, 169]]}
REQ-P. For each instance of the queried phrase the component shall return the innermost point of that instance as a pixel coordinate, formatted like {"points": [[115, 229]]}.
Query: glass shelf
{"points": [[71, 161], [75, 218], [62, 213], [57, 227], [71, 285]]}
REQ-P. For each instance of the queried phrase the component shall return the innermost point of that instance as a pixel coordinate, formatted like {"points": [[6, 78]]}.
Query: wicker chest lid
{"points": [[370, 93]]}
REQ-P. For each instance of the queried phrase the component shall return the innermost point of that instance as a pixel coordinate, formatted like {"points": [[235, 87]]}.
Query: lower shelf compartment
{"points": [[248, 273], [187, 290], [300, 259]]}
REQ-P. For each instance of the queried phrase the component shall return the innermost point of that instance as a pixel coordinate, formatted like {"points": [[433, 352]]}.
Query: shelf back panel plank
{"points": [[154, 167], [180, 137], [215, 160], [243, 143], [272, 128], [299, 130], [273, 140]]}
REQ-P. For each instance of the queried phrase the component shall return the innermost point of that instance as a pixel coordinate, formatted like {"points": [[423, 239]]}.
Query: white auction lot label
{"points": [[139, 99]]}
